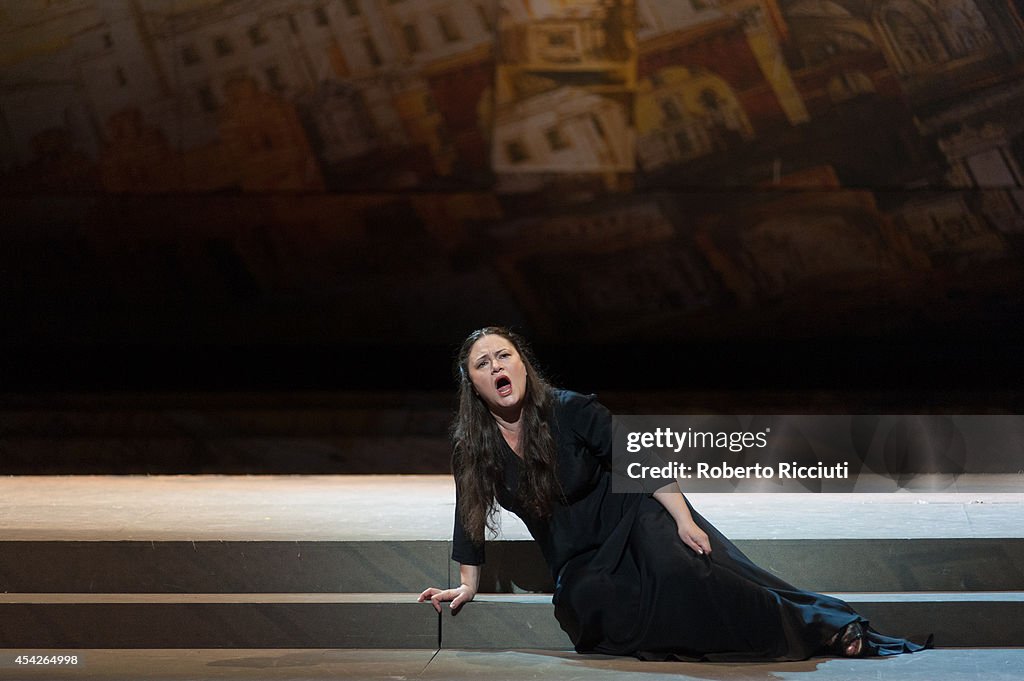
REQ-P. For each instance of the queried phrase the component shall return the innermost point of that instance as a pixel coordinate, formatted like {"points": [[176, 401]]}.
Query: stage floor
{"points": [[373, 508], [387, 508], [990, 664]]}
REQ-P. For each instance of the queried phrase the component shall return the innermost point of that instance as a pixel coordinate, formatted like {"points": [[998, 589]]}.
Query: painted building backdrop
{"points": [[604, 171]]}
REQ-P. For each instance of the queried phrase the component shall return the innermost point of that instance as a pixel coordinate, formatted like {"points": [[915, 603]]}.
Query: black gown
{"points": [[625, 584]]}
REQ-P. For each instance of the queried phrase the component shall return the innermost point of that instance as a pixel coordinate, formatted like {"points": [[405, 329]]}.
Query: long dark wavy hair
{"points": [[477, 463]]}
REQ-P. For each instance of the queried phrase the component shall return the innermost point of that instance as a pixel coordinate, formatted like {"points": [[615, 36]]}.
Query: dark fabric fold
{"points": [[626, 584], [644, 593]]}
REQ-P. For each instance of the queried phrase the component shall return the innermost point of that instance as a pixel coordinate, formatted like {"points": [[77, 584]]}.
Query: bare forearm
{"points": [[671, 497], [469, 575]]}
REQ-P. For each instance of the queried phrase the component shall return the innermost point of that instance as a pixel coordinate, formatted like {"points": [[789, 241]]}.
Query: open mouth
{"points": [[504, 386]]}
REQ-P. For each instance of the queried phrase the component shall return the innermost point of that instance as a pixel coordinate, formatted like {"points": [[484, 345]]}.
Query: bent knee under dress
{"points": [[625, 584]]}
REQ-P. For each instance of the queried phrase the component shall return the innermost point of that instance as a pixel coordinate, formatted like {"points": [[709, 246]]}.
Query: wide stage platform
{"points": [[315, 577]]}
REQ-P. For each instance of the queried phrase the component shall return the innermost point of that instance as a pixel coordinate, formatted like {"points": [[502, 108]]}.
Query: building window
{"points": [[222, 46], [320, 17], [559, 43], [709, 98], [257, 36], [556, 140], [560, 38], [485, 18], [516, 151], [449, 29], [274, 80], [683, 144], [371, 51], [412, 38], [352, 7], [206, 99], [914, 36], [189, 55], [642, 22], [670, 110], [119, 77]]}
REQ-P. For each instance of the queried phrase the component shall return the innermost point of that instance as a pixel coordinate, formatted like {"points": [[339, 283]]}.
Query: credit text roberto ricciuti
{"points": [[707, 471]]}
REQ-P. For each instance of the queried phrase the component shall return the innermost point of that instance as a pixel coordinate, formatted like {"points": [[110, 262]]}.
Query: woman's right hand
{"points": [[458, 596], [694, 537]]}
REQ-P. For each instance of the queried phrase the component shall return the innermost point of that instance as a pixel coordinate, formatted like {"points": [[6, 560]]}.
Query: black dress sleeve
{"points": [[464, 549], [591, 423]]}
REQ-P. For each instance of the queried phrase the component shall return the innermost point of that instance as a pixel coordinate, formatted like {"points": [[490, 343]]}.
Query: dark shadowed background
{"points": [[780, 205]]}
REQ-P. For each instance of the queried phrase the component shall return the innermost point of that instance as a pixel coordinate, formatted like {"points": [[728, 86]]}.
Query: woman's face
{"points": [[497, 373]]}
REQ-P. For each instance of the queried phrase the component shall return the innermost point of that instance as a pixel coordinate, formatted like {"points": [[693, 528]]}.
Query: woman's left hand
{"points": [[695, 538]]}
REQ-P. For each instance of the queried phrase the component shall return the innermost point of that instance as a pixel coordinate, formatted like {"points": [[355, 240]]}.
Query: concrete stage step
{"points": [[957, 619], [361, 594], [513, 566], [336, 562], [69, 621]]}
